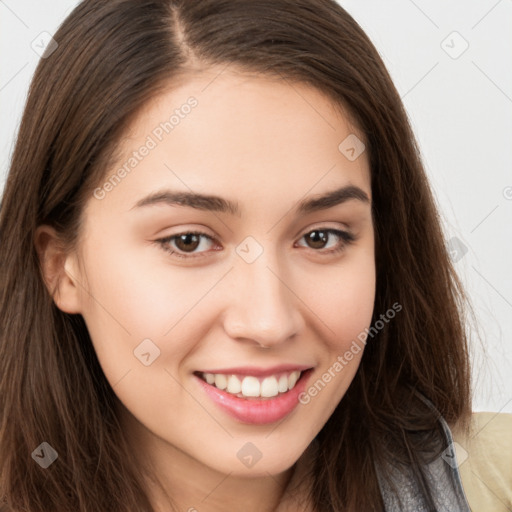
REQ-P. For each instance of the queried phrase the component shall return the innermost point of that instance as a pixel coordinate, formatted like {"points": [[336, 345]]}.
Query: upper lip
{"points": [[258, 371]]}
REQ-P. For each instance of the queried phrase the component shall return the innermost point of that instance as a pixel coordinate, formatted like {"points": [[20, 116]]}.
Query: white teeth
{"points": [[234, 385], [220, 381], [292, 379], [269, 387], [282, 386], [250, 386]]}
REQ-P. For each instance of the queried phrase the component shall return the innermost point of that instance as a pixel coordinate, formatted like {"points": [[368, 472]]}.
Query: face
{"points": [[184, 296]]}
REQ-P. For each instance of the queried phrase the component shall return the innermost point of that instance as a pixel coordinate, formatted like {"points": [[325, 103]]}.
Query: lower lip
{"points": [[257, 411]]}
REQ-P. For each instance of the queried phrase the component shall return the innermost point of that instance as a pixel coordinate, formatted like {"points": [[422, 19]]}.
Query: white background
{"points": [[461, 111]]}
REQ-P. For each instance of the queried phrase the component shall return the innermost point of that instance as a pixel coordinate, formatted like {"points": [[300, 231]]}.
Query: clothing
{"points": [[474, 474], [485, 464]]}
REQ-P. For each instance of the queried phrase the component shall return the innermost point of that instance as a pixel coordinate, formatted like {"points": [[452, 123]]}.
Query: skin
{"points": [[267, 144]]}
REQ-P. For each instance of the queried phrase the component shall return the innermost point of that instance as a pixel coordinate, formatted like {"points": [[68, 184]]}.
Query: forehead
{"points": [[242, 135]]}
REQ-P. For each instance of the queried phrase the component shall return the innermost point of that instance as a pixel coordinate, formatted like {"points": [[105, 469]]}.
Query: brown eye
{"points": [[185, 245], [317, 239], [187, 242]]}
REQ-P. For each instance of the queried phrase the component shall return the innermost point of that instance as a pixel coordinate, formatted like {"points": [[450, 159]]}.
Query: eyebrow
{"points": [[219, 204]]}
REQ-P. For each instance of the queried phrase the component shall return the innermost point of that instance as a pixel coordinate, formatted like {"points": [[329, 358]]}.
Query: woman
{"points": [[225, 285]]}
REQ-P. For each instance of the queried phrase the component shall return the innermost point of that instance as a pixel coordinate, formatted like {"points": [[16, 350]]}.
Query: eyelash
{"points": [[346, 237]]}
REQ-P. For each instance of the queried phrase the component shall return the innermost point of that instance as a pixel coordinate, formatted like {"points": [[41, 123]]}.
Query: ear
{"points": [[60, 270]]}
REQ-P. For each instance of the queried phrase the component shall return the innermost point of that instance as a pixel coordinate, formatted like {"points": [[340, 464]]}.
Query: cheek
{"points": [[135, 298], [142, 294], [134, 308], [351, 309], [345, 309], [343, 298]]}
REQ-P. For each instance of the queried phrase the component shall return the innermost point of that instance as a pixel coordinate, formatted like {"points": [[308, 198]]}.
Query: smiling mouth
{"points": [[250, 386], [257, 399]]}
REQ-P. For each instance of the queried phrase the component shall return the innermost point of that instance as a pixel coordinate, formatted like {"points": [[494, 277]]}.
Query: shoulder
{"points": [[484, 457]]}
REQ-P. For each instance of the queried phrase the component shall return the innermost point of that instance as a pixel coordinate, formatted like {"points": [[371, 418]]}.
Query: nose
{"points": [[263, 307]]}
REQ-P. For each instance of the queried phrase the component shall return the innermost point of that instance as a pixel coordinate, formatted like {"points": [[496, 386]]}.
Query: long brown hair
{"points": [[112, 57]]}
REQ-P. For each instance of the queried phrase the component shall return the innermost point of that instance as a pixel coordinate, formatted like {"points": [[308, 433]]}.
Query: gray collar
{"points": [[443, 478]]}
